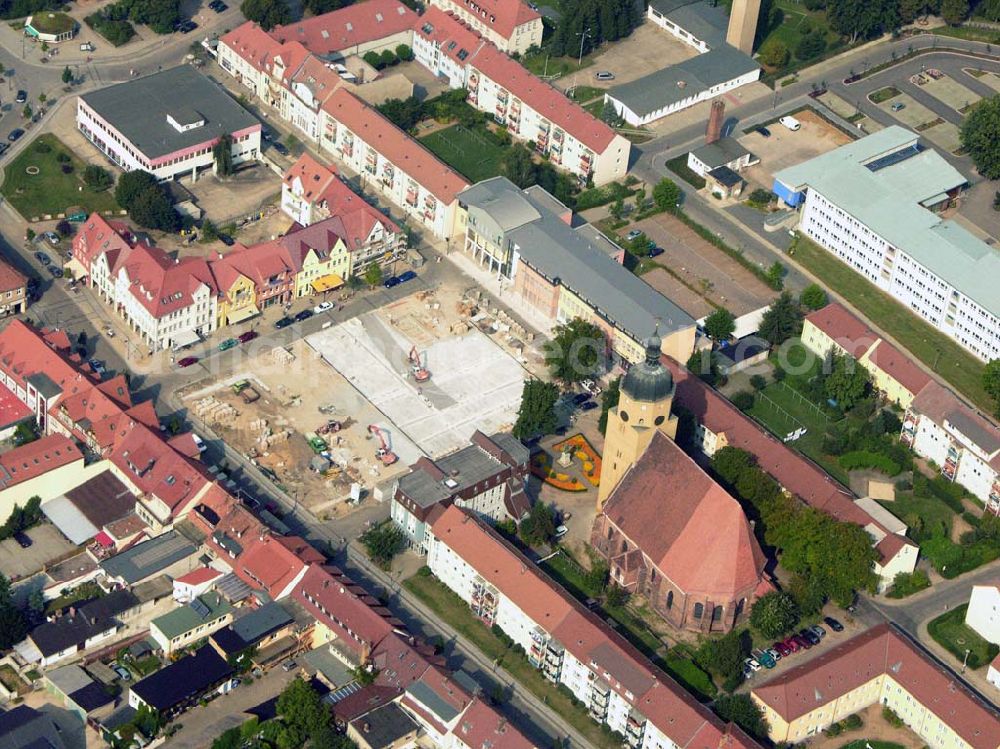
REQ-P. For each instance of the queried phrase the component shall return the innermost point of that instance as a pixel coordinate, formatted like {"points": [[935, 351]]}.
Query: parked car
{"points": [[604, 75], [654, 250], [589, 406], [782, 648], [52, 238], [97, 366], [792, 645], [752, 664], [288, 666], [323, 307], [3, 148], [284, 322], [248, 336], [22, 96], [764, 132], [227, 240], [833, 624], [280, 147], [591, 387], [123, 673], [561, 531], [185, 27], [228, 344], [818, 631], [43, 258], [774, 653], [303, 315], [580, 398], [633, 235], [804, 644], [55, 270], [809, 635], [790, 122], [187, 361], [390, 282], [405, 276], [897, 106], [15, 134], [23, 539]]}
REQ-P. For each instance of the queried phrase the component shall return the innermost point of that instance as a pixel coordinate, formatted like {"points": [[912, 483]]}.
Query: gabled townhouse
{"points": [[487, 477], [570, 645], [391, 162], [531, 110], [320, 255], [311, 192], [511, 26], [371, 26]]}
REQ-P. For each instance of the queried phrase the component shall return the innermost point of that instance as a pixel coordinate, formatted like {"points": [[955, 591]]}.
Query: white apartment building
{"points": [[511, 25], [963, 443], [359, 136], [983, 614], [874, 204], [563, 640]]}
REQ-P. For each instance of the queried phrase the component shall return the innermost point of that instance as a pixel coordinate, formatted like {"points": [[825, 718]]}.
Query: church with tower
{"points": [[668, 531]]}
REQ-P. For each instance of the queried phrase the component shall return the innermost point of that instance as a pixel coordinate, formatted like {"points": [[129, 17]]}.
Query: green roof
{"points": [[890, 201], [205, 608], [47, 22]]}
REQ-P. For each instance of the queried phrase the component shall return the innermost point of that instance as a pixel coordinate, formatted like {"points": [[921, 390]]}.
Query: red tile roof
{"points": [[97, 236], [856, 338], [548, 101], [940, 404], [690, 527], [883, 650], [273, 562], [11, 279], [503, 16], [160, 283], [890, 546], [395, 145], [199, 576], [583, 634], [449, 34], [253, 44], [314, 176], [481, 727], [12, 409], [340, 30], [36, 458]]}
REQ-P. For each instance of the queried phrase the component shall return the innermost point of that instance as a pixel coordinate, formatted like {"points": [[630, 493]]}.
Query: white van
{"points": [[790, 122]]}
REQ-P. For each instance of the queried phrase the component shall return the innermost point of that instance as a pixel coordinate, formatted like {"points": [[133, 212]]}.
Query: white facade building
{"points": [[963, 443], [875, 204], [983, 614], [512, 25]]}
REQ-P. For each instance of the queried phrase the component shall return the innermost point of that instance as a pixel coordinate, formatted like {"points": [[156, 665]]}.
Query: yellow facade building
{"points": [[322, 271]]}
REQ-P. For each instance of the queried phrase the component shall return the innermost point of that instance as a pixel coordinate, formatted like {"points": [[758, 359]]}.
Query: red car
{"points": [[792, 645], [804, 644], [187, 361], [783, 649], [248, 336]]}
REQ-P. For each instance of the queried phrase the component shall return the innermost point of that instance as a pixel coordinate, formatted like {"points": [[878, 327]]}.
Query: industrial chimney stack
{"points": [[715, 119]]}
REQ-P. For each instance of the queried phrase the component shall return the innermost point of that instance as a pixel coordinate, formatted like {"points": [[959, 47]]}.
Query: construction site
{"points": [[331, 417]]}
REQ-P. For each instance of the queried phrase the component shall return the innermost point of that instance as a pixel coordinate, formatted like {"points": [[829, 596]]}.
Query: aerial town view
{"points": [[500, 374]]}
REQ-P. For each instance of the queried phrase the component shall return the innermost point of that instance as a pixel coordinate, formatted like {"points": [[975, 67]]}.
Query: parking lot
{"points": [[48, 545], [946, 89], [786, 148], [707, 272], [919, 118]]}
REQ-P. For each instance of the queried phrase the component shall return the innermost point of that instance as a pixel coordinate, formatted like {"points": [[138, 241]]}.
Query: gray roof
{"points": [[44, 385], [68, 679], [557, 251], [90, 619], [699, 18], [334, 670], [148, 558], [720, 153], [232, 588], [69, 520], [461, 469], [429, 698], [684, 80], [139, 109], [23, 727], [975, 429], [385, 726], [261, 622], [725, 176], [890, 201]]}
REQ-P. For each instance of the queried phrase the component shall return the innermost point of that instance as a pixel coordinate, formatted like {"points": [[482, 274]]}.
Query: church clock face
{"points": [[623, 415], [658, 420]]}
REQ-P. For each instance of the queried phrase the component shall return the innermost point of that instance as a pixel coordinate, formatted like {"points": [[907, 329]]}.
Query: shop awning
{"points": [[328, 282], [244, 313], [185, 338]]}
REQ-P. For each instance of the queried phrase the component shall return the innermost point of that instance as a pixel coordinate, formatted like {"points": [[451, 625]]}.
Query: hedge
{"points": [[866, 459]]}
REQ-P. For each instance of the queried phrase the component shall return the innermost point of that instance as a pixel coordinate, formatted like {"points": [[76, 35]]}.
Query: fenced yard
{"points": [[476, 155]]}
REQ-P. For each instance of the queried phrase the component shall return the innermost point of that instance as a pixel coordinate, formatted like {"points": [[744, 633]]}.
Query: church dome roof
{"points": [[649, 381]]}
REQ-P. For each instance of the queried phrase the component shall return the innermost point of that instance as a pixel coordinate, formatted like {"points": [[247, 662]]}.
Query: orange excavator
{"points": [[417, 368], [383, 453]]}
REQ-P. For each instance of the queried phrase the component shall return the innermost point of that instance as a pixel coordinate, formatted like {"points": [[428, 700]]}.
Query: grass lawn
{"points": [[475, 155], [932, 511], [50, 190], [11, 681], [453, 610], [798, 20], [970, 32], [679, 166], [950, 632], [52, 22], [586, 93], [546, 66], [883, 94], [959, 368]]}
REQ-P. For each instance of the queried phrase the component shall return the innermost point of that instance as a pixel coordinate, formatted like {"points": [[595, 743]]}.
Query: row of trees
{"points": [[587, 24], [387, 57]]}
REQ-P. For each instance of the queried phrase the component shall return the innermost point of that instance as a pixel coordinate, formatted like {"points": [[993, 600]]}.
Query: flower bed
{"points": [[588, 463]]}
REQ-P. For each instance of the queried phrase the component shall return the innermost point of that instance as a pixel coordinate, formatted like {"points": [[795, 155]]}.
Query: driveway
{"points": [[49, 545]]}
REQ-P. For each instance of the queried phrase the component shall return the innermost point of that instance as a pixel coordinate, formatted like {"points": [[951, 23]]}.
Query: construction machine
{"points": [[417, 368], [383, 453]]}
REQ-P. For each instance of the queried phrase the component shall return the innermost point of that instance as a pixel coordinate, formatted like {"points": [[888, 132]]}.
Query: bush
{"points": [[62, 157], [42, 147], [66, 168], [761, 198], [852, 722], [908, 583], [864, 459], [891, 718], [810, 46], [97, 178], [743, 400], [758, 382]]}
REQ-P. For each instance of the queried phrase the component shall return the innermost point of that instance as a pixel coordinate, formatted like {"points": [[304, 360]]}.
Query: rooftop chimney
{"points": [[715, 119]]}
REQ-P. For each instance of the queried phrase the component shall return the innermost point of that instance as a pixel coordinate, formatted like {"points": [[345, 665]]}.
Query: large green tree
{"points": [[813, 297], [862, 19], [724, 655], [577, 351], [222, 155], [782, 320], [13, 625], [774, 614], [667, 195], [131, 185], [954, 11], [383, 543], [267, 13], [537, 414], [302, 711], [609, 399], [980, 136], [744, 712], [719, 325], [847, 382], [518, 166]]}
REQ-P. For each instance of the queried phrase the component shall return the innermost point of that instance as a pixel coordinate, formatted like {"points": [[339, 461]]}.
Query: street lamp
{"points": [[583, 36], [965, 660]]}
